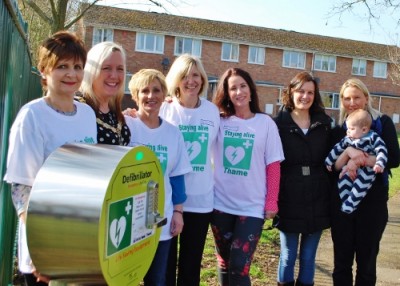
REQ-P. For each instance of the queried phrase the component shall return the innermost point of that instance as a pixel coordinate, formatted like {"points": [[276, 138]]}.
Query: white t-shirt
{"points": [[37, 131], [199, 127], [167, 143], [243, 149]]}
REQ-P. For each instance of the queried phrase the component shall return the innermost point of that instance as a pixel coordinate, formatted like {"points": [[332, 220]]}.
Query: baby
{"points": [[360, 136]]}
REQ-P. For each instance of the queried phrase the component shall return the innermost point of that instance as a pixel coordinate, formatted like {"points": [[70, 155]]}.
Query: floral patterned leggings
{"points": [[236, 239]]}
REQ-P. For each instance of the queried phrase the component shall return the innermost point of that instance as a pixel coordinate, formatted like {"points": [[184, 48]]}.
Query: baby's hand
{"points": [[378, 169], [329, 168]]}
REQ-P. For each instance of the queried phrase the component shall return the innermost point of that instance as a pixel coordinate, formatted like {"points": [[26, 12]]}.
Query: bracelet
{"points": [[178, 211]]}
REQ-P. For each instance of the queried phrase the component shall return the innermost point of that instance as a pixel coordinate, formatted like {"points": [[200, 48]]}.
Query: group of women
{"points": [[262, 168]]}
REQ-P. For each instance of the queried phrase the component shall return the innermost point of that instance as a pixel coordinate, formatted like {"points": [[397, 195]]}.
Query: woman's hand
{"points": [[176, 223], [351, 170], [41, 277], [359, 157], [168, 99], [270, 214], [132, 112]]}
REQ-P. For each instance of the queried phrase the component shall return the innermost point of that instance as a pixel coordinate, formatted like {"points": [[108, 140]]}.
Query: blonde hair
{"points": [[356, 83], [143, 78], [179, 69], [95, 59], [360, 118]]}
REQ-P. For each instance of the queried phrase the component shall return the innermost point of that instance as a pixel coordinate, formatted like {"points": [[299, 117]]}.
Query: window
{"points": [[330, 100], [102, 35], [149, 43], [325, 63], [230, 52], [380, 69], [187, 46], [212, 88], [128, 77], [293, 59], [256, 55], [359, 67]]}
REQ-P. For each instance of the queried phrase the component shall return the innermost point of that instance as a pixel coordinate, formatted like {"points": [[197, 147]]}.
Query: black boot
{"points": [[298, 283], [286, 284]]}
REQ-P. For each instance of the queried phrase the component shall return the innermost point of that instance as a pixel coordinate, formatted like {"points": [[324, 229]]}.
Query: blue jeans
{"points": [[288, 256], [156, 274]]}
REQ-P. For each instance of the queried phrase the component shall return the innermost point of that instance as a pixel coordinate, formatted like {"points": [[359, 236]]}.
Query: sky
{"points": [[305, 16]]}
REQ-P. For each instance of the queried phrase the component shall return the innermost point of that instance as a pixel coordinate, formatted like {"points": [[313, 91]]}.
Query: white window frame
{"points": [[325, 63], [233, 52], [142, 43], [104, 35], [256, 55], [359, 67], [294, 59], [380, 69], [195, 46], [334, 98]]}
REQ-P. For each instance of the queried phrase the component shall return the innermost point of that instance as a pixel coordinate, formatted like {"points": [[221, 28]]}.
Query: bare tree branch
{"points": [[370, 10], [394, 73], [80, 15], [53, 10], [48, 16], [38, 11]]}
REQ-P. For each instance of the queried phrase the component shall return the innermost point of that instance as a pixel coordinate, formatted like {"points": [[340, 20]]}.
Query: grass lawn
{"points": [[394, 181]]}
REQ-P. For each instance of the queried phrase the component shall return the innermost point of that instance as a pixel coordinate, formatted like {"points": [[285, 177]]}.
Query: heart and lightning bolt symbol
{"points": [[234, 154], [193, 149], [117, 230]]}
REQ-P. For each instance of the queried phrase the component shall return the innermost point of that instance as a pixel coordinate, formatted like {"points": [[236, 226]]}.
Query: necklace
{"points": [[116, 130], [66, 113]]}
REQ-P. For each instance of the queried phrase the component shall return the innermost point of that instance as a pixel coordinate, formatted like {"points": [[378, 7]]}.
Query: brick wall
{"points": [[271, 72]]}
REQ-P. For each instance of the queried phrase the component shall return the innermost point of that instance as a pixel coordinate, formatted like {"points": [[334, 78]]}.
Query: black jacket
{"points": [[304, 196]]}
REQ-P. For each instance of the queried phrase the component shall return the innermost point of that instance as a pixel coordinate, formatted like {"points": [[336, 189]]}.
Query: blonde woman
{"points": [[103, 89], [148, 89], [198, 120], [358, 234]]}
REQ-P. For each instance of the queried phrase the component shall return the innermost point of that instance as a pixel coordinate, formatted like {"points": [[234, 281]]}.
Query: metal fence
{"points": [[17, 86]]}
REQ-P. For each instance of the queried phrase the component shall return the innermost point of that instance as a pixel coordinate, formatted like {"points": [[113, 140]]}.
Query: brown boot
{"points": [[286, 284]]}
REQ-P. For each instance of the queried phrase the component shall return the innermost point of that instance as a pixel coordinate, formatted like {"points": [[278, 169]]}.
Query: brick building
{"points": [[273, 57]]}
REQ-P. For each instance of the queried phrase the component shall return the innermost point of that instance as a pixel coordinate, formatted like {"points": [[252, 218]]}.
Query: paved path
{"points": [[388, 269]]}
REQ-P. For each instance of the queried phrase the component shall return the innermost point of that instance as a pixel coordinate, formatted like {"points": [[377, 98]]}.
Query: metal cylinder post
{"points": [[88, 221]]}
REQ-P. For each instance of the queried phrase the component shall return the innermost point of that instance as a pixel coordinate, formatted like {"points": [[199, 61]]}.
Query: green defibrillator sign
{"points": [[131, 217]]}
